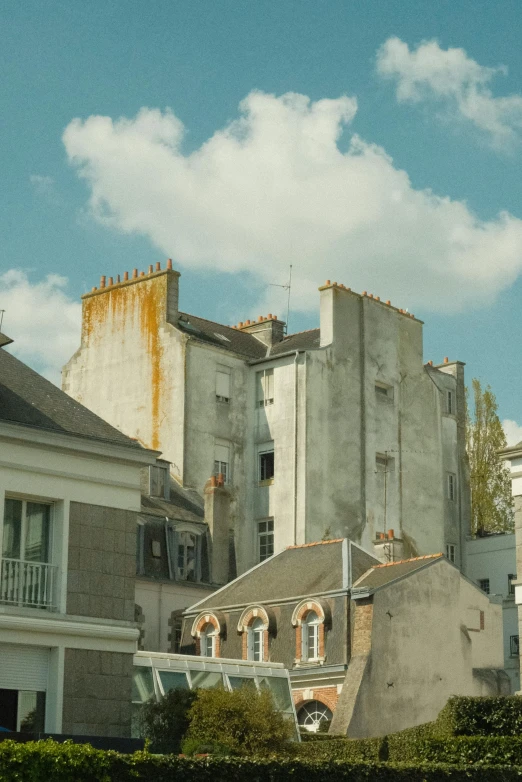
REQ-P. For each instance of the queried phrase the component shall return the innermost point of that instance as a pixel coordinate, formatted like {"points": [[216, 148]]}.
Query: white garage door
{"points": [[24, 667]]}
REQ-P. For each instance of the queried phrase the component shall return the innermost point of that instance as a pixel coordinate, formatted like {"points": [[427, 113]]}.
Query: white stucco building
{"points": [[340, 431], [491, 564]]}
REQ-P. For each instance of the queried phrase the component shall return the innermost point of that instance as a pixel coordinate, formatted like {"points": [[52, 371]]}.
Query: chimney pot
{"points": [[240, 324], [388, 302], [95, 288], [335, 283], [151, 268], [269, 316], [446, 360], [247, 323], [169, 263], [260, 319], [125, 276], [102, 282], [328, 282], [118, 278], [275, 317], [364, 293], [142, 274], [158, 266], [370, 295], [390, 534], [377, 298], [134, 274]]}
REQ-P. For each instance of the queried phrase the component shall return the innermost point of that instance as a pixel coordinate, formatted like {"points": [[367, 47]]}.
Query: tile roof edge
{"points": [[317, 543], [411, 559]]}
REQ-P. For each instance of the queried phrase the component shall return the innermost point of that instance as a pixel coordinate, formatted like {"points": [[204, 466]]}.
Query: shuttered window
{"points": [[24, 667]]}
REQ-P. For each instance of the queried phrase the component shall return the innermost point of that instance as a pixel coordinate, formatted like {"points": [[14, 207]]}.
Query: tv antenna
{"points": [[287, 287]]}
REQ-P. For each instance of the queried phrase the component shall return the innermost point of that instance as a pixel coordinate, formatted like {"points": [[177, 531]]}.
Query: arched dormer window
{"points": [[310, 618], [256, 624], [208, 630]]}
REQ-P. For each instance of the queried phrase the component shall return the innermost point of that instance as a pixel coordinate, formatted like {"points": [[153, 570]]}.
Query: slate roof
{"points": [[302, 340], [299, 570], [28, 398], [222, 336], [183, 505], [381, 575]]}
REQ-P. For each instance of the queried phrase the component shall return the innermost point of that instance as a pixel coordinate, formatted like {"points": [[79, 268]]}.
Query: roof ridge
{"points": [[316, 543], [215, 323], [304, 331], [411, 559]]}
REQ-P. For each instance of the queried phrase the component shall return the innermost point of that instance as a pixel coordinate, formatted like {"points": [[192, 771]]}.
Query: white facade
{"points": [[365, 439], [491, 564], [53, 470]]}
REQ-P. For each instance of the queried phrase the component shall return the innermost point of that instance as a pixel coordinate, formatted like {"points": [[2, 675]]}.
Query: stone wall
{"points": [[97, 693], [102, 562]]}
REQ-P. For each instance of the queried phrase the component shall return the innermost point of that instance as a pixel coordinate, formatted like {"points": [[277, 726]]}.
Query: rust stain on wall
{"points": [[119, 310]]}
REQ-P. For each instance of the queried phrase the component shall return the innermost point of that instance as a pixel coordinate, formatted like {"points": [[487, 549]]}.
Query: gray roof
{"points": [[183, 505], [381, 575], [299, 570], [223, 337], [28, 398], [4, 340], [302, 340]]}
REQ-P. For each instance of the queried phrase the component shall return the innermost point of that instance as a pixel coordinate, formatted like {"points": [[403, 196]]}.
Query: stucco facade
{"points": [[363, 433]]}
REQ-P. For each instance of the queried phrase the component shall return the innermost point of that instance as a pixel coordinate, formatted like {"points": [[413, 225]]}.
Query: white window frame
{"points": [[265, 538], [265, 388], [222, 454], [223, 394], [451, 492], [264, 450], [163, 474], [174, 541], [207, 638], [310, 632], [451, 552], [255, 640], [23, 528]]}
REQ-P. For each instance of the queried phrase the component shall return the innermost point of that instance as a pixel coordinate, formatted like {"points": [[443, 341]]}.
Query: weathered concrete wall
{"points": [[97, 693], [420, 657], [101, 562]]}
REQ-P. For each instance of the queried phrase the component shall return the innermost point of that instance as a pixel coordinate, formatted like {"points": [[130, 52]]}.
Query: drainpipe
{"points": [[296, 357]]}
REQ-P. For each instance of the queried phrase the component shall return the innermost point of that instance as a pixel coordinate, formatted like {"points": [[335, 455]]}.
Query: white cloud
{"points": [[513, 431], [450, 76], [41, 319], [273, 188]]}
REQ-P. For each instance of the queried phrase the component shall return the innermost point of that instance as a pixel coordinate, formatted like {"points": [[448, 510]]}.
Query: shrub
{"points": [[244, 720], [342, 750], [165, 722], [480, 716]]}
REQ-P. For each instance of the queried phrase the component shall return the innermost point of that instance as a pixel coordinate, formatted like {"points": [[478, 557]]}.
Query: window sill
{"points": [[315, 663], [267, 482]]}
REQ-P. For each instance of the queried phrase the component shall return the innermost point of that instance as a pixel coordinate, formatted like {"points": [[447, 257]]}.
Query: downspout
{"points": [[296, 357]]}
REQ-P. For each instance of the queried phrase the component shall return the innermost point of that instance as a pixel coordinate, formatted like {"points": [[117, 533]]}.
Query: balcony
{"points": [[28, 584]]}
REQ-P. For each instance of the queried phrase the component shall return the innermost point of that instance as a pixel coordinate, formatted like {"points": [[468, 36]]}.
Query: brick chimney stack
{"points": [[217, 516]]}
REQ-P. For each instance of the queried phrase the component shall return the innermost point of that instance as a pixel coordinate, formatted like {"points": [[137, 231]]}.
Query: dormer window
{"points": [[158, 482]]}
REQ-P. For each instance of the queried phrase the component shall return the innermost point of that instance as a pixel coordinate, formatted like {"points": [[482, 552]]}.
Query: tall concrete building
{"points": [[341, 431]]}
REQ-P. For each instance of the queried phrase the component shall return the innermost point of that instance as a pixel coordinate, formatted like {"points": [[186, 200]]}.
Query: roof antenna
{"points": [[287, 287]]}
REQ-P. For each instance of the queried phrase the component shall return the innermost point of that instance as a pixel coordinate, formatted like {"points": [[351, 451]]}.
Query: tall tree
{"points": [[491, 500]]}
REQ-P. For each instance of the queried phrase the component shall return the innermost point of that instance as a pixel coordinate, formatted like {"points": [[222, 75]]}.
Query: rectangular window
{"points": [[158, 482], [450, 402], [223, 384], [265, 387], [222, 461], [266, 465], [382, 462], [265, 537], [514, 646], [511, 583], [185, 550], [451, 551], [382, 391], [452, 486], [484, 585]]}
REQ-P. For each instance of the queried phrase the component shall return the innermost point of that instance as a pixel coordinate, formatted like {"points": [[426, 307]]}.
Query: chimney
{"points": [[217, 516], [268, 330]]}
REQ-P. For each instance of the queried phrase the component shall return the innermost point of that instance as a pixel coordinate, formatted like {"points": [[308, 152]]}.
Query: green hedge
{"points": [[474, 716], [341, 749], [48, 761]]}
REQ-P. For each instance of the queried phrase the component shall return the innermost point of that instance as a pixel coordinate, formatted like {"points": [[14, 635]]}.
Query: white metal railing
{"points": [[31, 584]]}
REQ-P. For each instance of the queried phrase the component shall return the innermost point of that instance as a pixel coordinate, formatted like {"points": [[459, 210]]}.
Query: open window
{"points": [[266, 463], [186, 548], [222, 460]]}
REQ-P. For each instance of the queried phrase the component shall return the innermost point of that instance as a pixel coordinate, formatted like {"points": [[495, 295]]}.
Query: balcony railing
{"points": [[30, 584]]}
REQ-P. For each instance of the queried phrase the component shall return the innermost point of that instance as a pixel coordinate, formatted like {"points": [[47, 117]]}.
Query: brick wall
{"points": [[97, 693], [327, 695], [102, 562]]}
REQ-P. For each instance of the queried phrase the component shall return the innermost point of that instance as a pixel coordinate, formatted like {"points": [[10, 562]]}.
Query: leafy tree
{"points": [[244, 721], [491, 500], [165, 722]]}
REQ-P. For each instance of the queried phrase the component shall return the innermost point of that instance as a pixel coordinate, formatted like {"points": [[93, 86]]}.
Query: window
{"points": [[452, 486], [222, 461], [383, 463], [310, 636], [312, 714], [266, 465], [511, 583], [265, 387], [208, 641], [382, 391], [265, 537], [514, 646], [26, 575], [484, 585], [158, 481], [450, 403], [223, 384], [185, 549], [451, 551], [176, 624], [255, 641]]}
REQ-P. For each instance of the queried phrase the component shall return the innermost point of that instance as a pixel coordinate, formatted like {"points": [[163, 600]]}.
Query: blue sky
{"points": [[409, 186]]}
